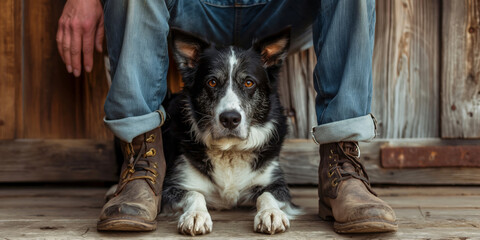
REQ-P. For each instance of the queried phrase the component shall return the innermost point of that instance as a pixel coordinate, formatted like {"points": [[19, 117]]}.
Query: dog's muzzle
{"points": [[230, 119]]}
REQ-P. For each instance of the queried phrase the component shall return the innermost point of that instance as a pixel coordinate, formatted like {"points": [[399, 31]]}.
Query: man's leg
{"points": [[343, 36], [136, 34]]}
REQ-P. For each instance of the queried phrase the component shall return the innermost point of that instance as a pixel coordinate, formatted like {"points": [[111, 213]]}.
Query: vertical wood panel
{"points": [[50, 93], [406, 95], [297, 94], [461, 69], [10, 69], [95, 91], [380, 66], [297, 87]]}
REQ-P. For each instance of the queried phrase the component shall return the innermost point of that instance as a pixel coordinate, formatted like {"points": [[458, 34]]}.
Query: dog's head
{"points": [[230, 89]]}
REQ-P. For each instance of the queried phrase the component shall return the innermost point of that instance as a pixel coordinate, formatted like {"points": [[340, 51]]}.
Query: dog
{"points": [[224, 134]]}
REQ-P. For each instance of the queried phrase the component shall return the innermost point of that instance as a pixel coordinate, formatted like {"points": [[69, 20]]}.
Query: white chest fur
{"points": [[232, 178]]}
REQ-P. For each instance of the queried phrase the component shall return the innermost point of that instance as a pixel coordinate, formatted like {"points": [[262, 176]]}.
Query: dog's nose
{"points": [[230, 119]]}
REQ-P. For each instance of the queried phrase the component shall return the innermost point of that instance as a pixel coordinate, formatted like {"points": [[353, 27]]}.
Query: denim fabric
{"points": [[344, 34], [352, 129], [137, 32]]}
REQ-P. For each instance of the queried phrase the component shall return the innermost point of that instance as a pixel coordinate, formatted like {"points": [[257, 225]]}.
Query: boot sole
{"points": [[122, 224], [365, 226]]}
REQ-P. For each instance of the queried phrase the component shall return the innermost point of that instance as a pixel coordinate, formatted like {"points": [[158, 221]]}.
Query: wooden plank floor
{"points": [[71, 213]]}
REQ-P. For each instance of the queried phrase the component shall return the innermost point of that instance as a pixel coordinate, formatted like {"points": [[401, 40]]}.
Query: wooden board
{"points": [[54, 103], [59, 213], [52, 97], [93, 160], [10, 70], [406, 68], [57, 161], [297, 94], [299, 160], [380, 67], [431, 156], [461, 69], [95, 89]]}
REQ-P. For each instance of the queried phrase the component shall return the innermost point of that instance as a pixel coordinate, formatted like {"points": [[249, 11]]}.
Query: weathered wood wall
{"points": [[406, 68], [426, 75], [10, 69], [461, 69], [422, 48], [406, 71], [297, 93], [39, 99], [93, 160]]}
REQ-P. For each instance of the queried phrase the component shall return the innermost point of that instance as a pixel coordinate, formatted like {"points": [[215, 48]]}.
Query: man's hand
{"points": [[80, 28]]}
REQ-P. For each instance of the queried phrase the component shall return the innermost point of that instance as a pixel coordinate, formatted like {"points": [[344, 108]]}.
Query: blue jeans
{"points": [[343, 36]]}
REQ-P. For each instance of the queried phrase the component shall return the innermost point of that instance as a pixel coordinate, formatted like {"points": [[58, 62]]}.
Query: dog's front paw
{"points": [[271, 221], [195, 223]]}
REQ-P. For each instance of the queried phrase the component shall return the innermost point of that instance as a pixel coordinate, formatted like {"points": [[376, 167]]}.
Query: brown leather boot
{"points": [[137, 200], [345, 193]]}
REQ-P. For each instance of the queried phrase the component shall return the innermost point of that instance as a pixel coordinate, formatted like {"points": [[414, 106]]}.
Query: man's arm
{"points": [[80, 29]]}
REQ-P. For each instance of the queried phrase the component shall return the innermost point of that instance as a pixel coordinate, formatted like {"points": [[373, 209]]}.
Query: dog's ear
{"points": [[186, 48], [274, 48]]}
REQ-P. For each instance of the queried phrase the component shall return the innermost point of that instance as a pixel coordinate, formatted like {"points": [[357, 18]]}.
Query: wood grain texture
{"points": [[284, 94], [93, 160], [380, 108], [10, 69], [71, 213], [52, 97], [300, 159], [297, 94], [461, 69], [95, 90], [406, 68], [430, 156], [57, 161]]}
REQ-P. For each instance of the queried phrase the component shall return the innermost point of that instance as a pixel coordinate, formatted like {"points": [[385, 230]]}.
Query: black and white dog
{"points": [[225, 133]]}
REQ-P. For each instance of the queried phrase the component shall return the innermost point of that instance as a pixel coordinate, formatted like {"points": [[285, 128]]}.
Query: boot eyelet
{"points": [[334, 182], [330, 174], [152, 152], [150, 139], [126, 172]]}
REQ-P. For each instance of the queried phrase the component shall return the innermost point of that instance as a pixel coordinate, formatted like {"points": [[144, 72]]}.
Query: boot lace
{"points": [[135, 164], [360, 173]]}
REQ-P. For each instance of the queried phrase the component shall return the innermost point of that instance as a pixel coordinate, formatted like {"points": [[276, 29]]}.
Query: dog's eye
{"points": [[212, 83], [249, 83]]}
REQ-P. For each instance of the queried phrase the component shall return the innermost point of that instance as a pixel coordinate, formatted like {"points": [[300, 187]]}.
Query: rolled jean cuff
{"points": [[128, 128], [360, 129]]}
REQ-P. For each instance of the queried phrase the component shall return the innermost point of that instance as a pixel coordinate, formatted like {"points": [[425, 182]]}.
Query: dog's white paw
{"points": [[271, 221], [195, 223]]}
